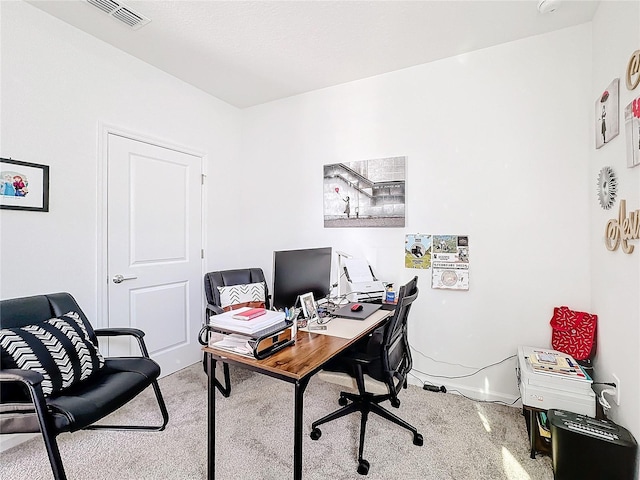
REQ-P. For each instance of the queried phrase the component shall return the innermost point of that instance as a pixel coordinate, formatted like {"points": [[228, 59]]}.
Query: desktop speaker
{"points": [[584, 448]]}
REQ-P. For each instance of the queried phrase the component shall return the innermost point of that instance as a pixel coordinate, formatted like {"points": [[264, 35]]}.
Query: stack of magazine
{"points": [[556, 363]]}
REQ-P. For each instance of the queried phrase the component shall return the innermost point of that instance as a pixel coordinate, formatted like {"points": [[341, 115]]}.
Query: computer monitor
{"points": [[296, 272]]}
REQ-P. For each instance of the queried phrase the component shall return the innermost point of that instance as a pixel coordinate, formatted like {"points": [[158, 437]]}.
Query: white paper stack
{"points": [[225, 321], [234, 343]]}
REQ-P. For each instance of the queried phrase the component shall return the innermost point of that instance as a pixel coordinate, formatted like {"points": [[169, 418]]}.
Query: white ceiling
{"points": [[250, 52]]}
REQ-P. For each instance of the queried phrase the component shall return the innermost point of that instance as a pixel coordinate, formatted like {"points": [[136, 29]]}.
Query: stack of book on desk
{"points": [[256, 336], [230, 322]]}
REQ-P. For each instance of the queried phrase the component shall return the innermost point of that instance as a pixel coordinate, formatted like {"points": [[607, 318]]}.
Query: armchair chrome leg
{"points": [[163, 411]]}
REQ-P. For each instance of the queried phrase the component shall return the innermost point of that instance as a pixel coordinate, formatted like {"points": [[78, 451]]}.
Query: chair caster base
{"points": [[363, 467], [342, 401], [315, 434], [417, 439]]}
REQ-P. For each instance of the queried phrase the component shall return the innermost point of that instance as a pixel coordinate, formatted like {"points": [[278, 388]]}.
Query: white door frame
{"points": [[104, 130]]}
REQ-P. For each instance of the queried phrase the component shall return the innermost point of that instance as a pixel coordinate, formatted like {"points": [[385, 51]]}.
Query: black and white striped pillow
{"points": [[60, 349]]}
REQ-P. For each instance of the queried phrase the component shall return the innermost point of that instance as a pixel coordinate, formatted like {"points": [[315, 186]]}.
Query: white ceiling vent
{"points": [[121, 12]]}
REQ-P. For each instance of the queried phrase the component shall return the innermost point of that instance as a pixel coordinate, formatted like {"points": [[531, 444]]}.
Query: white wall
{"points": [[58, 84], [497, 144], [615, 276]]}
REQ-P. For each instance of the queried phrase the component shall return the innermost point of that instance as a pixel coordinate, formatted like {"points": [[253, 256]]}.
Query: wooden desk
{"points": [[295, 364]]}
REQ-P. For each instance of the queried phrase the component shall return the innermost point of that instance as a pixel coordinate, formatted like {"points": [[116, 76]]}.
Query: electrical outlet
{"points": [[617, 382]]}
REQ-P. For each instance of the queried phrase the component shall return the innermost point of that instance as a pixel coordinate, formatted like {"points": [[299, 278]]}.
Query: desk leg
{"points": [[297, 429], [211, 413], [533, 424]]}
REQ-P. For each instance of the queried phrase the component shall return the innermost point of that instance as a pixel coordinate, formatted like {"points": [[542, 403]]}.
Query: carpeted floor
{"points": [[463, 440]]}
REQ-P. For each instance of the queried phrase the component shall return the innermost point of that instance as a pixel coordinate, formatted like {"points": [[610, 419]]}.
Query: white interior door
{"points": [[154, 228]]}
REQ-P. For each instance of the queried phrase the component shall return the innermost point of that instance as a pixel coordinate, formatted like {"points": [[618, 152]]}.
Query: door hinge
{"points": [[202, 253], [203, 177]]}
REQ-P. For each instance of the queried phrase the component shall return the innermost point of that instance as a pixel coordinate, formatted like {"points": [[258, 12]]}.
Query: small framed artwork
{"points": [[632, 125], [309, 308], [24, 186], [607, 104]]}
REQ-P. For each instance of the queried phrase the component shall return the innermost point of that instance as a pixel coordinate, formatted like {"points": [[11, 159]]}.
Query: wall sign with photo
{"points": [[417, 251], [450, 262], [24, 186], [607, 108]]}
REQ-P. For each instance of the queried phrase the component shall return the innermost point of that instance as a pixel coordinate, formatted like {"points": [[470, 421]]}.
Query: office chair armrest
{"points": [[29, 377], [120, 331], [215, 309]]}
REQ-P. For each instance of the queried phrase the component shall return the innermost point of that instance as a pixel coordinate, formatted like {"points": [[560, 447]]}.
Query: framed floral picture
{"points": [[24, 186]]}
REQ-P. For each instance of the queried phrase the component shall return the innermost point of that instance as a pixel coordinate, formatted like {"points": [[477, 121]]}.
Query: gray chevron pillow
{"points": [[60, 349]]}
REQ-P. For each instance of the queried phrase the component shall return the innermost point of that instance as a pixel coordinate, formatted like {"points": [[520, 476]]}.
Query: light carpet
{"points": [[463, 439]]}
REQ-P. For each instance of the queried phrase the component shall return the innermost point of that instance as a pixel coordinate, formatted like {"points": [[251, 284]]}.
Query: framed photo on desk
{"points": [[309, 308]]}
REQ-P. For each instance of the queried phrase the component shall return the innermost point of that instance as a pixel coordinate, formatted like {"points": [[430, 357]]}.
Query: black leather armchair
{"points": [[26, 409], [378, 368], [213, 282]]}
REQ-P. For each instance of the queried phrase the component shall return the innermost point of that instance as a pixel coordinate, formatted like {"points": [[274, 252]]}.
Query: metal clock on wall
{"points": [[607, 187]]}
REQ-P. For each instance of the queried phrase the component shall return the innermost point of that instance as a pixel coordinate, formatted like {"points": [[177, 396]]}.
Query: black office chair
{"points": [[228, 290], [379, 367], [50, 333]]}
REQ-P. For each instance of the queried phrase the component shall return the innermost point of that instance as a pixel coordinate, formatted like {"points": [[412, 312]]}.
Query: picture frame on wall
{"points": [[24, 185], [607, 114], [365, 193], [632, 126]]}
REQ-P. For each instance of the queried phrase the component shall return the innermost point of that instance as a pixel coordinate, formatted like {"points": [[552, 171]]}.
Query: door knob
{"points": [[121, 278]]}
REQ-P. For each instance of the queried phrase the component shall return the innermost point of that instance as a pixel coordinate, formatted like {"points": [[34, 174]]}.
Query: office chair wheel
{"points": [[395, 403], [417, 439], [315, 434], [342, 401], [363, 467]]}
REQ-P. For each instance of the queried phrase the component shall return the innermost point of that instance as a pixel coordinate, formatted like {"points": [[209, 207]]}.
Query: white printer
{"points": [[546, 389], [358, 283]]}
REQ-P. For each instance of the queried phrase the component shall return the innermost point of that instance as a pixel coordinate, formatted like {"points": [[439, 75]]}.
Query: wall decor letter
{"points": [[622, 229], [633, 70]]}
